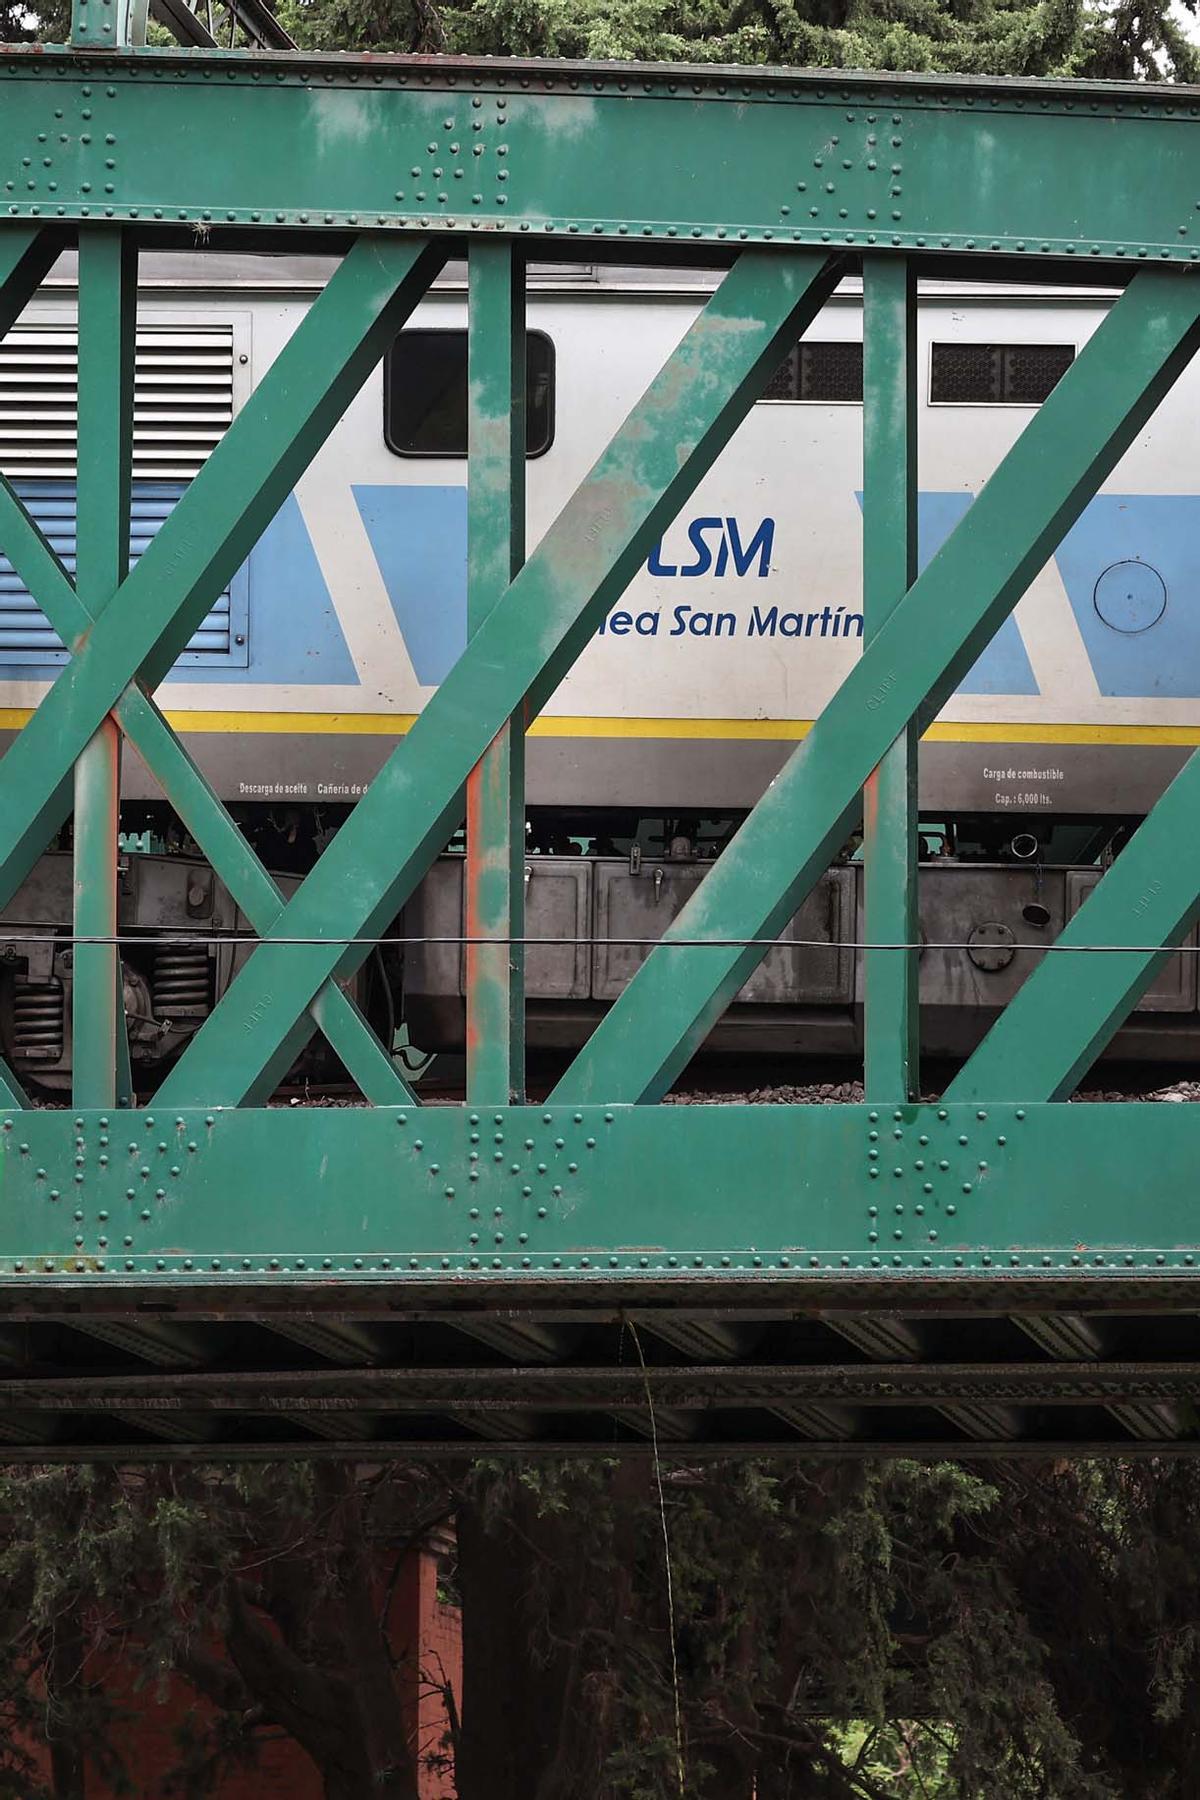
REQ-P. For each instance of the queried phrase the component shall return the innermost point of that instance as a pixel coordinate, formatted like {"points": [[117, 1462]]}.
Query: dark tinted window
{"points": [[997, 374], [819, 372], [425, 394]]}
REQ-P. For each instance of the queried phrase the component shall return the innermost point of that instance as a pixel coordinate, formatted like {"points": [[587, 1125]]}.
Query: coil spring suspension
{"points": [[182, 982], [37, 1014]]}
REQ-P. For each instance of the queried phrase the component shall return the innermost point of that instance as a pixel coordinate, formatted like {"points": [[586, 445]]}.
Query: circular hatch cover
{"points": [[1130, 596]]}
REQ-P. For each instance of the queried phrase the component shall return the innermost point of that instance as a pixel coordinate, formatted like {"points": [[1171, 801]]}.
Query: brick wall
{"points": [[425, 1634]]}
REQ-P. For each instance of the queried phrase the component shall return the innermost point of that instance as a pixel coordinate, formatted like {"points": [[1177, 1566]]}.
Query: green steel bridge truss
{"points": [[214, 1275]]}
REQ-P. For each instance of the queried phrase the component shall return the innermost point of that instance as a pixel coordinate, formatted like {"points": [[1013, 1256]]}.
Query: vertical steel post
{"points": [[889, 568], [109, 24], [495, 868], [104, 436]]}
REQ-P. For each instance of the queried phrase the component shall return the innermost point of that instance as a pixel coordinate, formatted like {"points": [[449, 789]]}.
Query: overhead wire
{"points": [[17, 933]]}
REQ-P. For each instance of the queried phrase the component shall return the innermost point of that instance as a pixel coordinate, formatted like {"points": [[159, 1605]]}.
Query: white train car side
{"points": [[701, 680]]}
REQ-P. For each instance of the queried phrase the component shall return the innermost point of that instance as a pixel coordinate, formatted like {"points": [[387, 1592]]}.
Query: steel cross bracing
{"points": [[209, 1271]]}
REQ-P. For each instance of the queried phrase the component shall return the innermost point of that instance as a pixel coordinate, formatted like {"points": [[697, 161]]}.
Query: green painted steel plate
{"points": [[613, 153], [604, 1195]]}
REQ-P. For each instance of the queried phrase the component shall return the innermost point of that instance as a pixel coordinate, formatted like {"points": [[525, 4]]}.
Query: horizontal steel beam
{"points": [[601, 1445], [597, 1196], [618, 154], [606, 1389]]}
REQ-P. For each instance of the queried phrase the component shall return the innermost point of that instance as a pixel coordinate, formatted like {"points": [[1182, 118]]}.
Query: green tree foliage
{"points": [[832, 1631], [1114, 39], [1123, 40], [839, 1631]]}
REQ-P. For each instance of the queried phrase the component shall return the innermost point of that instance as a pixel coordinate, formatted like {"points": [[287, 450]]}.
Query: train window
{"points": [[828, 372], [425, 394], [996, 374]]}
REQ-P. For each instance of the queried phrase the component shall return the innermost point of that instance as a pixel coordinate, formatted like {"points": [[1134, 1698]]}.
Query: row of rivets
{"points": [[709, 233], [241, 74], [385, 1265]]}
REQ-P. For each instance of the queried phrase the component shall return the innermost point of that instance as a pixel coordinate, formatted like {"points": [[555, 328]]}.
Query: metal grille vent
{"points": [[996, 374], [829, 372], [183, 399]]}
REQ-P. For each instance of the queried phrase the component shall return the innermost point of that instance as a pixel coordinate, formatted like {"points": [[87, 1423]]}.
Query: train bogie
{"points": [[591, 922]]}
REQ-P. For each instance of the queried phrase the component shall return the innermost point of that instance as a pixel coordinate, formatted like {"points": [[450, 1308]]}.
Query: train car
{"points": [[699, 683]]}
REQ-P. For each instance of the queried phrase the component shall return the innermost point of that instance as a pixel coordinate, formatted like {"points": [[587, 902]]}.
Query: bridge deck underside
{"points": [[700, 1375]]}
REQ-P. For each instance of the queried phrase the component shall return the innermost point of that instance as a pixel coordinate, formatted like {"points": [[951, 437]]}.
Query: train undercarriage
{"points": [[600, 889]]}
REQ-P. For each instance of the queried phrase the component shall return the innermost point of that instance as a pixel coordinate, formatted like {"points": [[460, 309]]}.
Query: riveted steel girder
{"points": [[587, 1193], [712, 1227], [617, 153]]}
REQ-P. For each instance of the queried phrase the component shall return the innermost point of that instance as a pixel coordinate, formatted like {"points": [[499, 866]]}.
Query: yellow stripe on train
{"points": [[365, 724]]}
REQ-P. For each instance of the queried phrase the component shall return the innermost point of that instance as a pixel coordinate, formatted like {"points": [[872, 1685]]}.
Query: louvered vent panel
{"points": [[183, 402], [183, 399], [25, 632]]}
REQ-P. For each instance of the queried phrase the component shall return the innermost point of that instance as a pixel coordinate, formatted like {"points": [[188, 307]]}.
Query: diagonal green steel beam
{"points": [[12, 1094], [209, 534], [906, 673], [36, 562], [255, 891], [27, 254], [1064, 1014], [201, 810], [519, 651]]}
